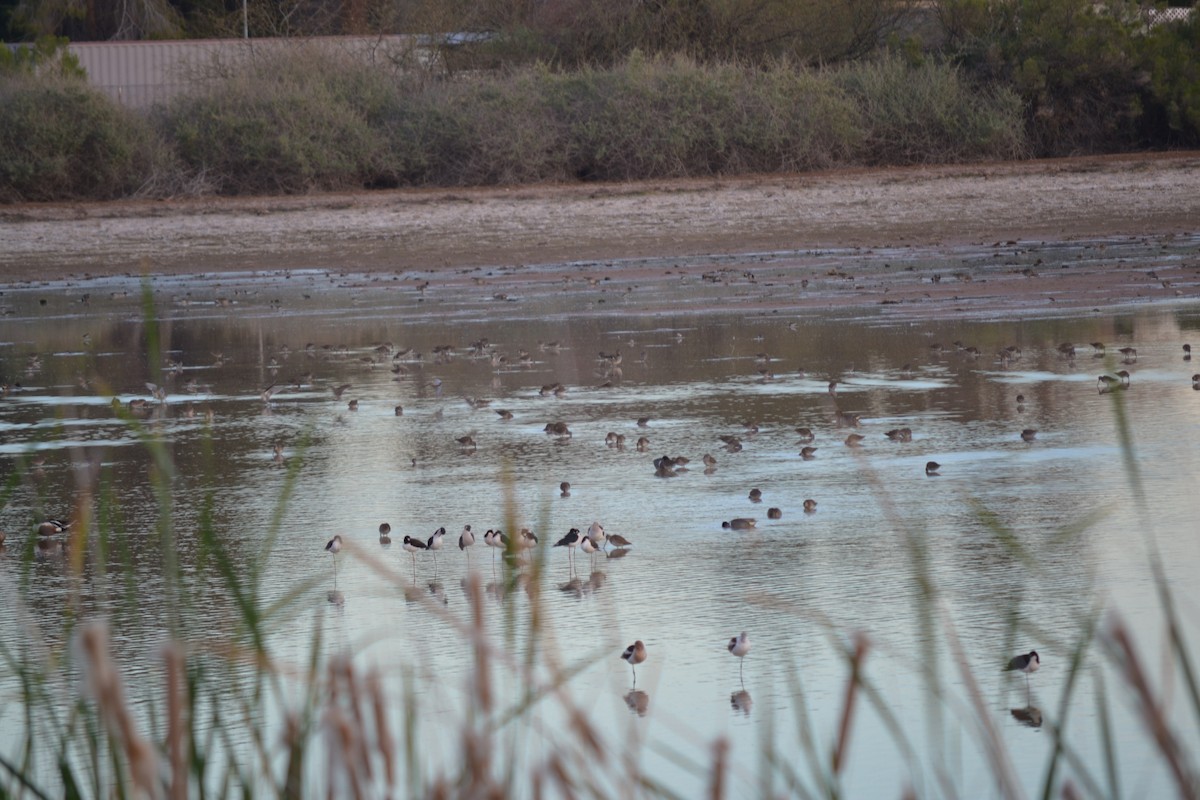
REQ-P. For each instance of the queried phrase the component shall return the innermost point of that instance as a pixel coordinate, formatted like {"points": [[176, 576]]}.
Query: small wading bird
{"points": [[740, 647], [1029, 434], [1025, 663], [740, 524], [385, 533], [932, 467], [635, 654], [810, 506]]}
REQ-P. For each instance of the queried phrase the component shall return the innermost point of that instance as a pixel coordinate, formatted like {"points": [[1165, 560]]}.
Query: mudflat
{"points": [[1002, 227]]}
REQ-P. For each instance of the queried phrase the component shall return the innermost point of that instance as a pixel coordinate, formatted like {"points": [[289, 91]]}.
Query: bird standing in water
{"points": [[740, 646], [1025, 663], [635, 654], [333, 546]]}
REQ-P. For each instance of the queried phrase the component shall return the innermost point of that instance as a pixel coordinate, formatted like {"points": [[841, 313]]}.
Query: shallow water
{"points": [[997, 526]]}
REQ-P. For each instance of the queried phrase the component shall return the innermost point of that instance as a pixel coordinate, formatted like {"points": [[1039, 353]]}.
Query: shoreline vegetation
{"points": [[618, 97]]}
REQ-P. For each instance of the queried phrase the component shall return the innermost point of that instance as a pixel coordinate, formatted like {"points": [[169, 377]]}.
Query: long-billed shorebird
{"points": [[433, 544], [333, 546], [466, 539], [570, 541], [740, 645], [635, 654], [412, 545], [1026, 663]]}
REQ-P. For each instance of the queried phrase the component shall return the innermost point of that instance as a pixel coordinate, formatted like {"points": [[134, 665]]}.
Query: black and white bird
{"points": [[434, 543], [1025, 663], [333, 546], [597, 535], [413, 545], [635, 654], [570, 541], [739, 646], [466, 539]]}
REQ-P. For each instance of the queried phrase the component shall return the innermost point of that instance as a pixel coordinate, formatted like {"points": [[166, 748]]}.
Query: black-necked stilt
{"points": [[333, 546], [740, 524], [932, 467], [635, 654], [588, 547], [739, 646], [1026, 663], [412, 545], [810, 506], [385, 533], [433, 544], [466, 539], [528, 540], [570, 541], [51, 527], [1029, 434]]}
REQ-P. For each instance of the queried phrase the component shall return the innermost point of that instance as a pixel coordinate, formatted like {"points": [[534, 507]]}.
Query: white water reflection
{"points": [[801, 584]]}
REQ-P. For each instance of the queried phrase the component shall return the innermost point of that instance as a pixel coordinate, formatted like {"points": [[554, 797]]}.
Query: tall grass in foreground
{"points": [[302, 120], [327, 727]]}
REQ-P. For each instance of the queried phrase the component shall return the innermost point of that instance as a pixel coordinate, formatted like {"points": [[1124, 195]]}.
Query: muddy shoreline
{"points": [[929, 238]]}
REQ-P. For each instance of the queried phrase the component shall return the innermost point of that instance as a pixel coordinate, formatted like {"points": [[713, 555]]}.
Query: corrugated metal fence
{"points": [[139, 74]]}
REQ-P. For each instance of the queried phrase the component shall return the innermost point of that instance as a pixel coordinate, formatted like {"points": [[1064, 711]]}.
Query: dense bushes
{"points": [[301, 122], [61, 140]]}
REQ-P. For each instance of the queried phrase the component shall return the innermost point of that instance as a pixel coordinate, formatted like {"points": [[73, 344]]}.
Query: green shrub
{"points": [[289, 123], [61, 140], [925, 113]]}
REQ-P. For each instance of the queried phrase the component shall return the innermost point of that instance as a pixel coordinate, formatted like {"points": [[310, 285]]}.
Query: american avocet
{"points": [[739, 645], [433, 544], [1026, 663], [635, 654], [596, 534], [570, 541], [528, 540], [932, 467], [385, 533]]}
